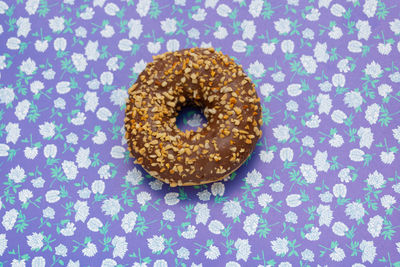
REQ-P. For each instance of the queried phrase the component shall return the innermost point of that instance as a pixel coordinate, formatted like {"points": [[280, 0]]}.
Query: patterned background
{"points": [[322, 186]]}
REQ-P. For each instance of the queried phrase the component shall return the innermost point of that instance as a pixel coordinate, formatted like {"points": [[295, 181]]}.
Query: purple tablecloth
{"points": [[321, 188]]}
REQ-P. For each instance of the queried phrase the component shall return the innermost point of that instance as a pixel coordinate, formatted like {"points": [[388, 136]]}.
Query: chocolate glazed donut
{"points": [[210, 80]]}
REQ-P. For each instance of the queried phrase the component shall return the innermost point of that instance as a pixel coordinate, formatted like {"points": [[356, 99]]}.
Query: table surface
{"points": [[321, 188]]}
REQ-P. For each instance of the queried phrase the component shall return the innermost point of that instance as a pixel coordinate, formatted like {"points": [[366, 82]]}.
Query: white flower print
{"points": [[320, 53], [309, 173], [291, 217], [91, 52], [308, 34], [90, 250], [215, 227], [375, 225], [50, 151], [153, 47], [372, 113], [81, 32], [224, 10], [294, 89], [24, 195], [17, 174], [337, 254], [94, 224], [200, 15], [28, 66], [376, 180], [173, 45], [142, 7], [354, 46], [56, 24], [98, 187], [277, 186], [168, 26], [368, 251], [395, 26], [52, 196], [4, 150], [325, 103], [254, 178], [70, 169], [282, 26], [82, 158], [171, 198], [221, 33], [31, 6], [387, 201], [364, 29], [249, 29], [250, 224], [309, 63], [13, 43], [339, 228], [24, 26], [280, 246], [314, 234], [293, 200], [384, 49], [82, 211], [156, 243], [92, 101], [108, 31], [87, 14], [35, 241], [255, 8], [79, 62], [355, 210], [281, 133], [22, 108], [264, 199], [13, 132], [232, 209], [335, 33], [369, 9], [118, 97], [3, 243], [128, 221], [268, 48], [286, 154], [337, 10], [134, 176], [111, 207], [373, 69], [183, 253], [49, 213], [69, 229], [120, 246], [6, 95], [307, 255], [243, 249], [387, 157], [9, 219], [204, 195], [320, 161], [384, 89], [366, 137], [218, 189], [353, 99], [111, 9]]}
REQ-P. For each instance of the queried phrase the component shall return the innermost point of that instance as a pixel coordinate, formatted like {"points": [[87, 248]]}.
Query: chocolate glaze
{"points": [[201, 77]]}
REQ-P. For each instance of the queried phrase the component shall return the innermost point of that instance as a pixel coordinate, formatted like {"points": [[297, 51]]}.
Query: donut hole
{"points": [[190, 117]]}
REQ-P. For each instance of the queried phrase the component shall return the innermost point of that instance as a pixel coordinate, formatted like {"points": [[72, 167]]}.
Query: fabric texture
{"points": [[321, 188]]}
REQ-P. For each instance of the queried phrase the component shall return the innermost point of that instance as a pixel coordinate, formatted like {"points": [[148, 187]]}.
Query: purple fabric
{"points": [[321, 188]]}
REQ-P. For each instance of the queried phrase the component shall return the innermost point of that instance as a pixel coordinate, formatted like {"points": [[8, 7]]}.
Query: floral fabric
{"points": [[321, 188]]}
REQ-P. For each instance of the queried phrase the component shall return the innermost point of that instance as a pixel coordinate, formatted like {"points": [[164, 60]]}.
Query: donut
{"points": [[215, 83]]}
